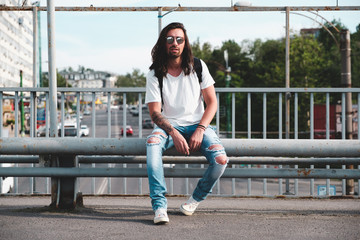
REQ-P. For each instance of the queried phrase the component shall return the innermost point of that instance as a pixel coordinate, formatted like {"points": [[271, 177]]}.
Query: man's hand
{"points": [[180, 143], [196, 139]]}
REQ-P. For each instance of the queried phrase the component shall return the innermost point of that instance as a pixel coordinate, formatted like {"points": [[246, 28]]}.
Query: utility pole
{"points": [[346, 83]]}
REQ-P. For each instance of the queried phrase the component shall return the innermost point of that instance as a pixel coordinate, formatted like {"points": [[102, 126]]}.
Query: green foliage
{"points": [[135, 79], [61, 82], [355, 57]]}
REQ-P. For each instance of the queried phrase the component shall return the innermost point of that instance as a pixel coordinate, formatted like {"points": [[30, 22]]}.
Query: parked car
{"points": [[129, 131], [148, 123], [84, 131]]}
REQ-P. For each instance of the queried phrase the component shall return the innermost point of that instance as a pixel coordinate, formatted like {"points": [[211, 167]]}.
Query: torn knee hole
{"points": [[216, 147], [153, 140], [221, 159]]}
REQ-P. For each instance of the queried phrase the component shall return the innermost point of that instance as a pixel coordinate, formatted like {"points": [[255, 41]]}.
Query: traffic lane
{"points": [[101, 123]]}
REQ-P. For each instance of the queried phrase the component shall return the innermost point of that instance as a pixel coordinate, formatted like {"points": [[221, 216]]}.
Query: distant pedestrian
{"points": [[181, 120], [12, 126]]}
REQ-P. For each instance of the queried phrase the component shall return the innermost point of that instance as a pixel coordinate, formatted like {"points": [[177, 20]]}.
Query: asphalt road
{"points": [[117, 123]]}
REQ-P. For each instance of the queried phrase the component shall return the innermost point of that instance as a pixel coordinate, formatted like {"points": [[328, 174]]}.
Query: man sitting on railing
{"points": [[174, 95]]}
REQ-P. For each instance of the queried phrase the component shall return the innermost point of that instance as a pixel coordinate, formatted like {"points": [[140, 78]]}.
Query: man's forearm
{"points": [[162, 122]]}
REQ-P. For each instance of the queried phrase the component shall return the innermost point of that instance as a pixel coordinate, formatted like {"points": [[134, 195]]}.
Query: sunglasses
{"points": [[170, 40]]}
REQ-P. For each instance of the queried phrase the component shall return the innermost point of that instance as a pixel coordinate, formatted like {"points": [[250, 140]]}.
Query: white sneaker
{"points": [[189, 207], [161, 216]]}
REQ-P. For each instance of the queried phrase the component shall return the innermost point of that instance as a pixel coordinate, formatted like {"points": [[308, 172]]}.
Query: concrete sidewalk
{"points": [[216, 218]]}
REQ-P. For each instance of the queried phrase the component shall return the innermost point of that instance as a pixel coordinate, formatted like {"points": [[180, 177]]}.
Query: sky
{"points": [[119, 42]]}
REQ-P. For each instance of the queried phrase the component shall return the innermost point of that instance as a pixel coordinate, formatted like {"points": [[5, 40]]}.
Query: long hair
{"points": [[160, 57]]}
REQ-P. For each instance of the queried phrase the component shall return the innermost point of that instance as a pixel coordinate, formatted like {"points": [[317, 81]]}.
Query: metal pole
{"points": [[346, 83], [287, 73], [228, 95], [228, 101], [287, 85], [39, 46], [159, 19], [22, 117], [52, 68], [35, 43]]}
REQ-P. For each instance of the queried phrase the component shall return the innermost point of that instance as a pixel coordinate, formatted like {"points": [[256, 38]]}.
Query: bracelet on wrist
{"points": [[201, 126]]}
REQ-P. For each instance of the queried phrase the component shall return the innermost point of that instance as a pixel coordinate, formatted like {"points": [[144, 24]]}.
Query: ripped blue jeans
{"points": [[211, 148]]}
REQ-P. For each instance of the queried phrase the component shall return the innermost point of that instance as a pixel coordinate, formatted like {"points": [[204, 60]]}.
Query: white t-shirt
{"points": [[183, 104]]}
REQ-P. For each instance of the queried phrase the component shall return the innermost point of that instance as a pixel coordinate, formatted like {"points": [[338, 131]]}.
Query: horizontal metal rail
{"points": [[231, 90], [180, 172], [189, 160], [185, 9], [234, 147]]}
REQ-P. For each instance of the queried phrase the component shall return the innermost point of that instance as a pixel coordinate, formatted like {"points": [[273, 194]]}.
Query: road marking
{"points": [[101, 189]]}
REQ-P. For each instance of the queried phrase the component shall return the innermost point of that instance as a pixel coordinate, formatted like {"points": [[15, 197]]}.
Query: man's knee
{"points": [[221, 159], [155, 138]]}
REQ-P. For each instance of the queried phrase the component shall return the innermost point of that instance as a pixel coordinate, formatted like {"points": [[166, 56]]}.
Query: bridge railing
{"points": [[250, 159]]}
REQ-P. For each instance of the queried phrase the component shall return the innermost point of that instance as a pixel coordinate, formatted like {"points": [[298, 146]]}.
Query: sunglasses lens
{"points": [[179, 40], [169, 40]]}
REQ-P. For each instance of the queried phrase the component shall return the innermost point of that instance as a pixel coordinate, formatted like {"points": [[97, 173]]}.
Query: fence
{"points": [[264, 167]]}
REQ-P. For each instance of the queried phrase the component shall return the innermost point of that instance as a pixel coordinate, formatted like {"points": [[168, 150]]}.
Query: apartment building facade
{"points": [[16, 46]]}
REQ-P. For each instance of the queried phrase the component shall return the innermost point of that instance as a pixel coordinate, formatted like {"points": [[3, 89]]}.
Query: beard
{"points": [[174, 55]]}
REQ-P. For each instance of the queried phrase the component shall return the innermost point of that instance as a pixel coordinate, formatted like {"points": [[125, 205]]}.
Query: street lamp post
{"points": [[160, 16]]}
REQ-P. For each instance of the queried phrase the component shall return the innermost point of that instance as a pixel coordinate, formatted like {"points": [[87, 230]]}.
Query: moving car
{"points": [[84, 131], [87, 112], [129, 131], [148, 123], [70, 128]]}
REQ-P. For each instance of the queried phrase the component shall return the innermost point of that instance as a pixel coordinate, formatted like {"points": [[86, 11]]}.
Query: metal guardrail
{"points": [[234, 147], [184, 9], [238, 147]]}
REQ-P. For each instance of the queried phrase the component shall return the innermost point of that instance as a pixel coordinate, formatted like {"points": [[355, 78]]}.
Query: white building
{"points": [[89, 79], [16, 46]]}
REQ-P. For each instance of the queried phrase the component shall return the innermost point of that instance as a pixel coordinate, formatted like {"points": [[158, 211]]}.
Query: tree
{"points": [[135, 79], [355, 57], [61, 81], [203, 52], [331, 72]]}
